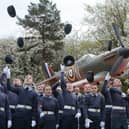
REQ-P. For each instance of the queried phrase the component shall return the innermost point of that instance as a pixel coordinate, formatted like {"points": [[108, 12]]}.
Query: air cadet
{"points": [[120, 110], [3, 83], [4, 93], [81, 103], [58, 95], [40, 89], [28, 82], [17, 82], [26, 109], [40, 96], [49, 110], [95, 109], [76, 91], [87, 89], [40, 93], [5, 113], [108, 100], [70, 110], [13, 101]]}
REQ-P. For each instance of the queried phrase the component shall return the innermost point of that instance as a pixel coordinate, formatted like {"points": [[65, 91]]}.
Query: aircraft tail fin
{"points": [[47, 70]]}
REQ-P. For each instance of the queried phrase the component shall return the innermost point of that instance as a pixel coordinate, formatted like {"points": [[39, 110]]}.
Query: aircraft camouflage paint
{"points": [[93, 68]]}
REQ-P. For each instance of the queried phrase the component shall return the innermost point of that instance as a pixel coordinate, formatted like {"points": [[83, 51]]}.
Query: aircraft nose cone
{"points": [[124, 52]]}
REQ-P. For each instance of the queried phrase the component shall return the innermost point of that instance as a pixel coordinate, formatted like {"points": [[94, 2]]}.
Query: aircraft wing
{"points": [[97, 78], [49, 81]]}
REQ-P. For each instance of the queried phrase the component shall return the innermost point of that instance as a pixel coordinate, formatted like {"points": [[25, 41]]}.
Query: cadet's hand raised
{"points": [[108, 76], [62, 67], [6, 71]]}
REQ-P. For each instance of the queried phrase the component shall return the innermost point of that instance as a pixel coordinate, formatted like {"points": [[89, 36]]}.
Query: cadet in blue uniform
{"points": [[58, 95], [108, 100], [26, 109], [120, 110], [28, 82], [40, 89], [49, 110], [13, 101], [95, 109], [40, 96], [5, 114], [87, 89], [6, 121], [17, 82], [79, 103], [70, 110]]}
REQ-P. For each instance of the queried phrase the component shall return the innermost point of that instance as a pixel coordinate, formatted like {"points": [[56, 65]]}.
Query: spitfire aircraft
{"points": [[89, 68], [92, 68]]}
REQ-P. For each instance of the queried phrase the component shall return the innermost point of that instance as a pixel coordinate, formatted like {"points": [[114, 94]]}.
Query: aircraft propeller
{"points": [[117, 33], [123, 52], [109, 45], [116, 64]]}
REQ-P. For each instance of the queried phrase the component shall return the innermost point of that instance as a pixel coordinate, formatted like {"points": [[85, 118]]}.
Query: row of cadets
{"points": [[117, 110]]}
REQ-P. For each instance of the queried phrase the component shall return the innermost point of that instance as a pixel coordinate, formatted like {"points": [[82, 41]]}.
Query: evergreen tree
{"points": [[46, 41]]}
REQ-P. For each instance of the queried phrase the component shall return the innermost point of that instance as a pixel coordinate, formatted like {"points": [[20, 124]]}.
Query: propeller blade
{"points": [[116, 64], [109, 45], [117, 34]]}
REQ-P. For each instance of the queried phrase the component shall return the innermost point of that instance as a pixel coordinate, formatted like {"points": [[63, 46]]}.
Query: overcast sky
{"points": [[71, 11]]}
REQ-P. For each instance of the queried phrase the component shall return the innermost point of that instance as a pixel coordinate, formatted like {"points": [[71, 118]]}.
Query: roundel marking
{"points": [[70, 73]]}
